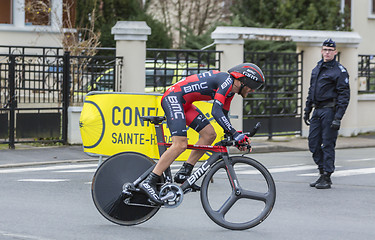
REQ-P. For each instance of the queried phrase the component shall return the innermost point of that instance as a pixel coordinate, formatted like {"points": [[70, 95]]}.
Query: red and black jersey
{"points": [[212, 85]]}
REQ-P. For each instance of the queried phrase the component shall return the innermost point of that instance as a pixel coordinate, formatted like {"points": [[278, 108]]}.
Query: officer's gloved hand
{"points": [[306, 118], [336, 124]]}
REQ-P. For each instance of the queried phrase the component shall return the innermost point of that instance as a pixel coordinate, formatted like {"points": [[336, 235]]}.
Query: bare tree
{"points": [[195, 15], [82, 41], [88, 39], [38, 12]]}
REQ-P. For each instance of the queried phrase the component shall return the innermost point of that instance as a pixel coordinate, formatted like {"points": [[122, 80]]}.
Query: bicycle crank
{"points": [[171, 194], [127, 202]]}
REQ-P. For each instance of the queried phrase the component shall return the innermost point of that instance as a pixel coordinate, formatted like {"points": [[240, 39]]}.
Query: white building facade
{"points": [[32, 23]]}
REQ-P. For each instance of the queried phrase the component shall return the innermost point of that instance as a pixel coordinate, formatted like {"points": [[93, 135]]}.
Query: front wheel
{"points": [[246, 208], [108, 183]]}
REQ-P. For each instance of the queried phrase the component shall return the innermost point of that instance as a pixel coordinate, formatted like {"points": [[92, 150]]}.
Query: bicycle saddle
{"points": [[153, 119]]}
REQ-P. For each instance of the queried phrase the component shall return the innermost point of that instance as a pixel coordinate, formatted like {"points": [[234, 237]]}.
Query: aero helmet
{"points": [[249, 74]]}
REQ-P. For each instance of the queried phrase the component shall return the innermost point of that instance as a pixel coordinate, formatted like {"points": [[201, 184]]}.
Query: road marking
{"points": [[21, 236], [363, 159], [43, 180], [292, 169], [78, 171], [280, 169], [345, 173], [30, 164], [33, 169]]}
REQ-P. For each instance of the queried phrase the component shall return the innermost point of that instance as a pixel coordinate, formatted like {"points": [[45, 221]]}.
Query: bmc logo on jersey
{"points": [[175, 107], [226, 123], [227, 82], [195, 87]]}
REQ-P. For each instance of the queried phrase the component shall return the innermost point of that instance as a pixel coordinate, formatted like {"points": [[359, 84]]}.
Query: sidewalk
{"points": [[26, 155]]}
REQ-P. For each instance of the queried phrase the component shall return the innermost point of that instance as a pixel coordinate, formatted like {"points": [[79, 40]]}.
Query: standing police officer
{"points": [[329, 95]]}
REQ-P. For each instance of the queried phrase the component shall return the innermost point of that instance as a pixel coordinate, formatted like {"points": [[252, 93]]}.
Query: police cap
{"points": [[329, 43]]}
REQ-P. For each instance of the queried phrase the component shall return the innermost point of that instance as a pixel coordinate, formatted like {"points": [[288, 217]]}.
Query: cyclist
{"points": [[177, 103]]}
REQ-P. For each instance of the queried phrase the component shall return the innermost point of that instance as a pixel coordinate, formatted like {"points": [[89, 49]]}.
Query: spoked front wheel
{"points": [[246, 208], [108, 183]]}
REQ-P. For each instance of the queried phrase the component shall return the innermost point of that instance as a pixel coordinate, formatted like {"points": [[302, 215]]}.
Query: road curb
{"points": [[13, 165]]}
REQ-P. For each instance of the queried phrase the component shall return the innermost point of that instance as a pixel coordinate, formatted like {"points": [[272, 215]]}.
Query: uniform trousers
{"points": [[322, 138]]}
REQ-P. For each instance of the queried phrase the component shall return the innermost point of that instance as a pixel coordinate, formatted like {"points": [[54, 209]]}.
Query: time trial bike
{"points": [[237, 192]]}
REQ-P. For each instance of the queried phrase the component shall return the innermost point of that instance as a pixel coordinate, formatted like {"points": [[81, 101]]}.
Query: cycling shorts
{"points": [[181, 115]]}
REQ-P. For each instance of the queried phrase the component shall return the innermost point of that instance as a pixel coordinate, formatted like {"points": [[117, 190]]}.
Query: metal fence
{"points": [[31, 109], [366, 73], [22, 50], [165, 67], [40, 73], [38, 84], [97, 73], [278, 104]]}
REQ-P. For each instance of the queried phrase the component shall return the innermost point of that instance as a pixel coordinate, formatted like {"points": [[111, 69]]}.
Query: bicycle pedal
{"points": [[127, 194], [193, 188]]}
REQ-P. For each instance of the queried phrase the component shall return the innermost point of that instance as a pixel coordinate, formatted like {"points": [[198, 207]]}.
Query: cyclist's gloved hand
{"points": [[241, 138], [242, 141]]}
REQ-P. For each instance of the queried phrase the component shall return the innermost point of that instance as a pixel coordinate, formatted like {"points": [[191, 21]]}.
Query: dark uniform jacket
{"points": [[329, 83]]}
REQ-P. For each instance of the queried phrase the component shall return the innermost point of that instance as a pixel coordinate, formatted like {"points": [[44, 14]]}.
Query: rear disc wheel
{"points": [[107, 185]]}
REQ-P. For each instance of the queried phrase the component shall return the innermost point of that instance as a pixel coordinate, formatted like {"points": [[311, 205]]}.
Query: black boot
{"points": [[184, 173], [148, 186], [313, 184], [321, 172], [326, 182]]}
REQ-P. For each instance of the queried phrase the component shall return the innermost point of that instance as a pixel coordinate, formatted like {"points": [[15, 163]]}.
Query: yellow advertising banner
{"points": [[111, 123]]}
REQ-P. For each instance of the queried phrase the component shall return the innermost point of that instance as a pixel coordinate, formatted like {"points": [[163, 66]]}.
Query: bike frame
{"points": [[218, 152]]}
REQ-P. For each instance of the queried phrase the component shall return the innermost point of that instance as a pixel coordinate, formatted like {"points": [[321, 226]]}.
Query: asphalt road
{"points": [[48, 202]]}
